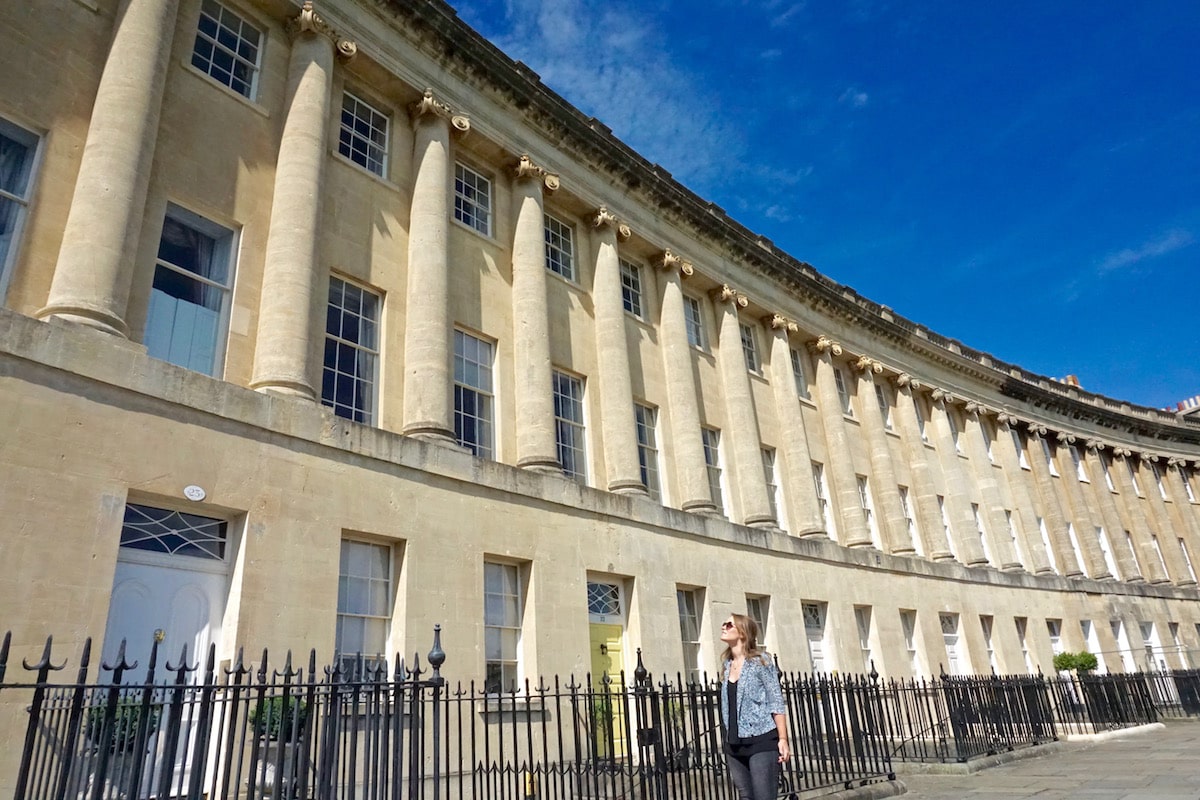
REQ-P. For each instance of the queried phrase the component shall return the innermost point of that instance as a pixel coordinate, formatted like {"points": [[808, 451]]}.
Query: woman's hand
{"points": [[785, 752]]}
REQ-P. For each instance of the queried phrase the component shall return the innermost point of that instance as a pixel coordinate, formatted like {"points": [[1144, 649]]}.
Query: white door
{"points": [[173, 602], [170, 585]]}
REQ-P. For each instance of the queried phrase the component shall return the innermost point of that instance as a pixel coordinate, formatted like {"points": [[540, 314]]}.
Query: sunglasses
{"points": [[726, 626]]}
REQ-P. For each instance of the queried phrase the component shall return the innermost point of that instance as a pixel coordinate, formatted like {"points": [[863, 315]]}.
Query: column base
{"points": [[1161, 582], [904, 551], [1012, 566], [762, 522], [1045, 571], [818, 533], [860, 544], [94, 318], [1186, 584], [704, 508], [542, 465], [942, 555], [626, 487], [1135, 579], [1078, 574], [286, 388], [430, 433]]}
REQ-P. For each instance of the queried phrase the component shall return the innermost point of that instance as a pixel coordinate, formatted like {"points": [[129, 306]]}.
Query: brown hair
{"points": [[747, 628]]}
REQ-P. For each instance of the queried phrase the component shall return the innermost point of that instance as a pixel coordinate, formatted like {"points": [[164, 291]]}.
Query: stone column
{"points": [[612, 357], [989, 487], [1081, 511], [893, 527], [292, 272], [1053, 515], [1173, 480], [691, 474], [923, 492], [1168, 535], [805, 517], [104, 225], [1107, 506], [958, 486], [1139, 526], [428, 331], [1009, 455], [537, 444], [742, 421], [840, 468]]}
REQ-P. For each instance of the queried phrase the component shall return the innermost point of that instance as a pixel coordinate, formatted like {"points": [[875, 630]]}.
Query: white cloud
{"points": [[1161, 245], [616, 65], [854, 97], [783, 19], [771, 54]]}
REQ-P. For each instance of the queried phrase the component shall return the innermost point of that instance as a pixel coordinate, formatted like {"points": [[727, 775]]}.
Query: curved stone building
{"points": [[323, 325]]}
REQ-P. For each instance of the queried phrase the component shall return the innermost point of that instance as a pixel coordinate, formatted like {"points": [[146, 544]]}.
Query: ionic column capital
{"points": [[823, 344], [1036, 429], [429, 106], [1122, 452], [603, 218], [1176, 461], [526, 170], [976, 408], [904, 379], [671, 261], [1095, 445], [866, 364], [309, 21], [1007, 419], [727, 294], [1151, 457], [780, 324], [1064, 437], [942, 396]]}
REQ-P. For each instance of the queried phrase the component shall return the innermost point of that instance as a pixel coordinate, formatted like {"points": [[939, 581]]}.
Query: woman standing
{"points": [[752, 711]]}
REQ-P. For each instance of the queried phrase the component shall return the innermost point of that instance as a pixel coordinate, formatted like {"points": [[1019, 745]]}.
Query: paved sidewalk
{"points": [[1148, 766]]}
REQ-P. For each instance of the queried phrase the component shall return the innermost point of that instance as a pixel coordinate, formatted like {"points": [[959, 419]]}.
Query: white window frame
{"points": [[951, 639], [1011, 521], [954, 432], [710, 439], [372, 615], [921, 420], [367, 150], [1045, 534], [1022, 626], [947, 531], [750, 348], [1133, 478], [1133, 551], [1084, 567], [1187, 559], [224, 251], [690, 606], [987, 439], [633, 298], [497, 621], [474, 377], [814, 614], [1077, 459], [1157, 473], [823, 501], [1054, 631], [839, 380], [1049, 454], [1106, 551], [1183, 473], [560, 247], [693, 323], [758, 608], [1108, 481], [472, 199], [910, 519], [1162, 562], [20, 199], [868, 508], [885, 407], [986, 624], [982, 532], [798, 372], [365, 355], [862, 622], [572, 448], [225, 19], [773, 492], [908, 627], [646, 422], [1019, 446]]}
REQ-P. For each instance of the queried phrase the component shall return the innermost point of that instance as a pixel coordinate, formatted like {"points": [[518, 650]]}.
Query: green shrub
{"points": [[1082, 661], [122, 732], [275, 715]]}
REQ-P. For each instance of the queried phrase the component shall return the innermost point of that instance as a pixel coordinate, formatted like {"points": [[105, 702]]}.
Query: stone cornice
{"points": [[437, 30]]}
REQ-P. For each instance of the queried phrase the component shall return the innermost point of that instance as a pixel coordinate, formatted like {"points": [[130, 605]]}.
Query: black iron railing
{"points": [[358, 729]]}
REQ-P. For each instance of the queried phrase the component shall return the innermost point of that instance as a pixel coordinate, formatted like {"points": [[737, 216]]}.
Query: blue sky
{"points": [[1036, 164]]}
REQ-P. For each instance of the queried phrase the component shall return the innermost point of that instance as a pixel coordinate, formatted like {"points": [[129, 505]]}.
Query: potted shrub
{"points": [[119, 738], [278, 723]]}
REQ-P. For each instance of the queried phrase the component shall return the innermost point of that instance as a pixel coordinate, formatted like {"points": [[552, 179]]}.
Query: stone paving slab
{"points": [[1159, 765]]}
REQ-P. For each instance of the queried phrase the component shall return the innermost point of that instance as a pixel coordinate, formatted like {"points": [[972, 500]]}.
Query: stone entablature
{"points": [[437, 26]]}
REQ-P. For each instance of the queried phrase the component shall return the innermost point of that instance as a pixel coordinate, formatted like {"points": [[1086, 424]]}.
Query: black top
{"points": [[736, 745]]}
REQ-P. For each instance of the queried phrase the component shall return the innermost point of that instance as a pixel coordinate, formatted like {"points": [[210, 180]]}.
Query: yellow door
{"points": [[608, 712]]}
